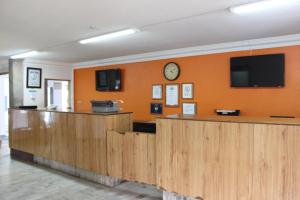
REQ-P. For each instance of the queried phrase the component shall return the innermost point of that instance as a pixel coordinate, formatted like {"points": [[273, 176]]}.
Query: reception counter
{"points": [[229, 158], [209, 158], [76, 139]]}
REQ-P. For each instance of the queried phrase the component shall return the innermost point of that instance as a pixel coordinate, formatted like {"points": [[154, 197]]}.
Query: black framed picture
{"points": [[34, 78], [156, 108]]}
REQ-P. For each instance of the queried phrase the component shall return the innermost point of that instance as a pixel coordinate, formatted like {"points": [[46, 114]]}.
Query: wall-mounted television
{"points": [[108, 80], [258, 71]]}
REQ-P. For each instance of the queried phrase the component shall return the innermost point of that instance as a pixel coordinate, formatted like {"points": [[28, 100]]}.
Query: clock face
{"points": [[171, 71]]}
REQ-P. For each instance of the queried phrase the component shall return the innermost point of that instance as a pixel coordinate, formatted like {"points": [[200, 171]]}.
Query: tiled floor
{"points": [[23, 181]]}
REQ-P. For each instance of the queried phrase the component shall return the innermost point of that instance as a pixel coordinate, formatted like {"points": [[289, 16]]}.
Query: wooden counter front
{"points": [[216, 160], [75, 139], [212, 158], [132, 156]]}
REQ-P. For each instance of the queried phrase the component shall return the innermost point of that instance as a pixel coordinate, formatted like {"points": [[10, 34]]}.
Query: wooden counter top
{"points": [[238, 119], [74, 112]]}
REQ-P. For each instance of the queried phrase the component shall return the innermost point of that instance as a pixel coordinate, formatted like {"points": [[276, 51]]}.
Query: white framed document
{"points": [[157, 91], [187, 90], [34, 78], [189, 108], [172, 95]]}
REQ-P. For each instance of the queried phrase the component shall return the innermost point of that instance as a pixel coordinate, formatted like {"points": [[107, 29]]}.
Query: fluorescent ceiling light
{"points": [[109, 36], [24, 55], [260, 6]]}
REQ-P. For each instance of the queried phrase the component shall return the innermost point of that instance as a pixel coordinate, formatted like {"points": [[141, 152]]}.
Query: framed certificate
{"points": [[187, 90], [157, 91], [172, 95], [156, 108], [189, 108], [34, 77]]}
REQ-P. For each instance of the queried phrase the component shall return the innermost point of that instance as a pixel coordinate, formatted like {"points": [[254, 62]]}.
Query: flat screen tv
{"points": [[108, 80], [258, 71]]}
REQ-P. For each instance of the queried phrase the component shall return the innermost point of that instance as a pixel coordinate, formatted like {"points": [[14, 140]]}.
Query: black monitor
{"points": [[258, 71], [108, 80]]}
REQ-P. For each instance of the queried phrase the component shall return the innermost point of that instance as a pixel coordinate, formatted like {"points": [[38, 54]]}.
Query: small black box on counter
{"points": [[228, 112], [144, 127]]}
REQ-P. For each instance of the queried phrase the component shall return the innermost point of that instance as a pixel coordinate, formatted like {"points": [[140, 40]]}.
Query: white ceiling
{"points": [[55, 26]]}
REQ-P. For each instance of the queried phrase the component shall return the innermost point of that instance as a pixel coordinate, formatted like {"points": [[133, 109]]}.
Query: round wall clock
{"points": [[171, 71]]}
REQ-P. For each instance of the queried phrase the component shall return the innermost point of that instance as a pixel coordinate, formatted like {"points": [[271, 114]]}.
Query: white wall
{"points": [[4, 100], [3, 66], [50, 70]]}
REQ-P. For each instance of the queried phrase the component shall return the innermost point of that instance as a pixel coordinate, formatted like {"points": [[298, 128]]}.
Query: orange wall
{"points": [[211, 77]]}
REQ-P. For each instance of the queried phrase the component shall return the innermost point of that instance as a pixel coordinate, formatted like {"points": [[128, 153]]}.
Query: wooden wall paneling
{"points": [[180, 157], [211, 160], [63, 146], [115, 154], [128, 157], [115, 125], [131, 156], [245, 153], [22, 125], [144, 158], [151, 159], [165, 164], [292, 172], [91, 143], [211, 148], [276, 166], [268, 167], [120, 123], [193, 156], [236, 161], [43, 135], [15, 129]]}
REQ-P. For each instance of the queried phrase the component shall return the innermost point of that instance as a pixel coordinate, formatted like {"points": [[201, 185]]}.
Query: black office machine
{"points": [[228, 112], [107, 106]]}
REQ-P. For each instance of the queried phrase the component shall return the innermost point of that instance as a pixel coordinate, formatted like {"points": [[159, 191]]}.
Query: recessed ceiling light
{"points": [[260, 6], [24, 55], [109, 36]]}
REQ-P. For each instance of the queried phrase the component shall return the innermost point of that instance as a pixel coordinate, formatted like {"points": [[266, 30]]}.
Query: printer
{"points": [[105, 106]]}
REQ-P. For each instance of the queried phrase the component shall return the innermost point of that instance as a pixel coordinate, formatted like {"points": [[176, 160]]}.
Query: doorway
{"points": [[57, 94], [4, 105]]}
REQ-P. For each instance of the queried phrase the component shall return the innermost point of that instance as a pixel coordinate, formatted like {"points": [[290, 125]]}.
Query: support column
{"points": [[16, 82]]}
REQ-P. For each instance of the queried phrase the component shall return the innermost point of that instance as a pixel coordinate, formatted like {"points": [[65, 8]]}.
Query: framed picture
{"points": [[187, 90], [156, 108], [157, 91], [34, 78], [189, 108], [172, 95]]}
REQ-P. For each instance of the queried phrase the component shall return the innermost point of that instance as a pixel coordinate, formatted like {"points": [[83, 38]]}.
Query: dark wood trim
{"points": [[20, 155]]}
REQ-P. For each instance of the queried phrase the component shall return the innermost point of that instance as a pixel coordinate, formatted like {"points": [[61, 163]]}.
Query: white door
{"points": [[58, 94], [4, 104]]}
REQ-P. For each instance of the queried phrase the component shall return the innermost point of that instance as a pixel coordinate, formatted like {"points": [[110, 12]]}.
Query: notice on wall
{"points": [[172, 98]]}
